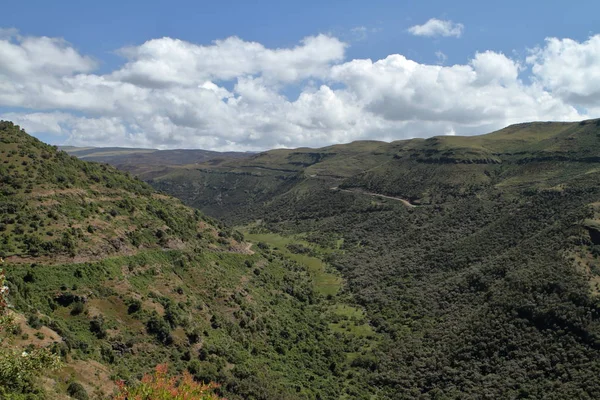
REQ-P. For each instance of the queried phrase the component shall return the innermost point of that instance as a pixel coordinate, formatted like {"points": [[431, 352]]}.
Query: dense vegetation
{"points": [[487, 287], [115, 279]]}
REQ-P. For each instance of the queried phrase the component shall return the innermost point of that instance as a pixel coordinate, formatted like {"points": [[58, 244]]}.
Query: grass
{"points": [[325, 282], [352, 320]]}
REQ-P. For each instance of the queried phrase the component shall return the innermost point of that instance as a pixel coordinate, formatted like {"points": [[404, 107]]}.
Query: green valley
{"points": [[451, 267], [474, 258], [284, 200]]}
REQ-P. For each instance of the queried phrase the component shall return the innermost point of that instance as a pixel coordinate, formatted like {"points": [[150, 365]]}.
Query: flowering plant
{"points": [[159, 386]]}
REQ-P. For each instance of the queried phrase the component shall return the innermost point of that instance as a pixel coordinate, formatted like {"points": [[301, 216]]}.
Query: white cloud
{"points": [[571, 70], [234, 95], [437, 27], [485, 91], [37, 58], [495, 68], [40, 122], [168, 61]]}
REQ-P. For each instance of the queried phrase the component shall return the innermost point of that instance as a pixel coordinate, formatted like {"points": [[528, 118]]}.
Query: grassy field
{"points": [[326, 282]]}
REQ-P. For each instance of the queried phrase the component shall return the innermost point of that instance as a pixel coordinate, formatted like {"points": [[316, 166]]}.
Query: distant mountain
{"points": [[149, 161], [420, 170]]}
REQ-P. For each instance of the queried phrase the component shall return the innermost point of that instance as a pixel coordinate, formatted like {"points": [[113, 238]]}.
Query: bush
{"points": [[133, 306], [34, 321], [97, 327], [17, 366], [77, 391], [162, 387], [78, 308], [159, 328]]}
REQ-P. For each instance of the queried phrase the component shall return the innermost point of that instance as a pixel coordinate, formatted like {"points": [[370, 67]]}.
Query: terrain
{"points": [[442, 268], [472, 262], [116, 278]]}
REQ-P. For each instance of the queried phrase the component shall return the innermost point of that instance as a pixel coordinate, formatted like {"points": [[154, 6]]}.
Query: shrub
{"points": [[76, 391], [133, 306], [97, 327], [160, 386], [18, 366], [34, 321], [159, 328], [78, 308]]}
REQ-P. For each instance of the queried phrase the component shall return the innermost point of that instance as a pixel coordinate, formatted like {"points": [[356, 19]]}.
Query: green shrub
{"points": [[78, 308], [77, 391], [159, 328]]}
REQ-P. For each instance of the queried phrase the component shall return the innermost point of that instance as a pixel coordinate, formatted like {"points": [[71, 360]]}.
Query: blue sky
{"points": [[368, 30], [100, 27]]}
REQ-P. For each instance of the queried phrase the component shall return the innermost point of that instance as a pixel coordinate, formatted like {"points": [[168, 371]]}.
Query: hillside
{"points": [[116, 278], [474, 258], [423, 171]]}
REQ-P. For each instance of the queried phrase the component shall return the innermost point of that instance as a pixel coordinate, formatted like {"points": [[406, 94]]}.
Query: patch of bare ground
{"points": [[179, 336], [241, 248], [54, 192], [161, 196], [47, 337], [93, 376]]}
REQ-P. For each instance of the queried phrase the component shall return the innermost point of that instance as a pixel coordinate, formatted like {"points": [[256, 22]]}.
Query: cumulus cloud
{"points": [[37, 58], [569, 69], [484, 91], [41, 122], [233, 94], [167, 61], [437, 27]]}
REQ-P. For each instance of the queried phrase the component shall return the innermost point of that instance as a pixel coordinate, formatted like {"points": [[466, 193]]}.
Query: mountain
{"points": [[420, 170], [475, 259], [117, 278], [148, 161]]}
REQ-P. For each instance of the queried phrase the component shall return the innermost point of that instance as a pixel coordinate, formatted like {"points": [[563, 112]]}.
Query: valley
{"points": [[458, 249], [451, 267], [283, 200]]}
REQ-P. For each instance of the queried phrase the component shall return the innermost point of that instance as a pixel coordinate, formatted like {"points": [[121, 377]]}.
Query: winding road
{"points": [[403, 201]]}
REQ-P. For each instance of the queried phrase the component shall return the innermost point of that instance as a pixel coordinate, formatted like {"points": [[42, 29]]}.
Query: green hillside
{"points": [[531, 155], [116, 278], [474, 258]]}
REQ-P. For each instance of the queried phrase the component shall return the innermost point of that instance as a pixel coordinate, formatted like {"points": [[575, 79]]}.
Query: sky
{"points": [[254, 75]]}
